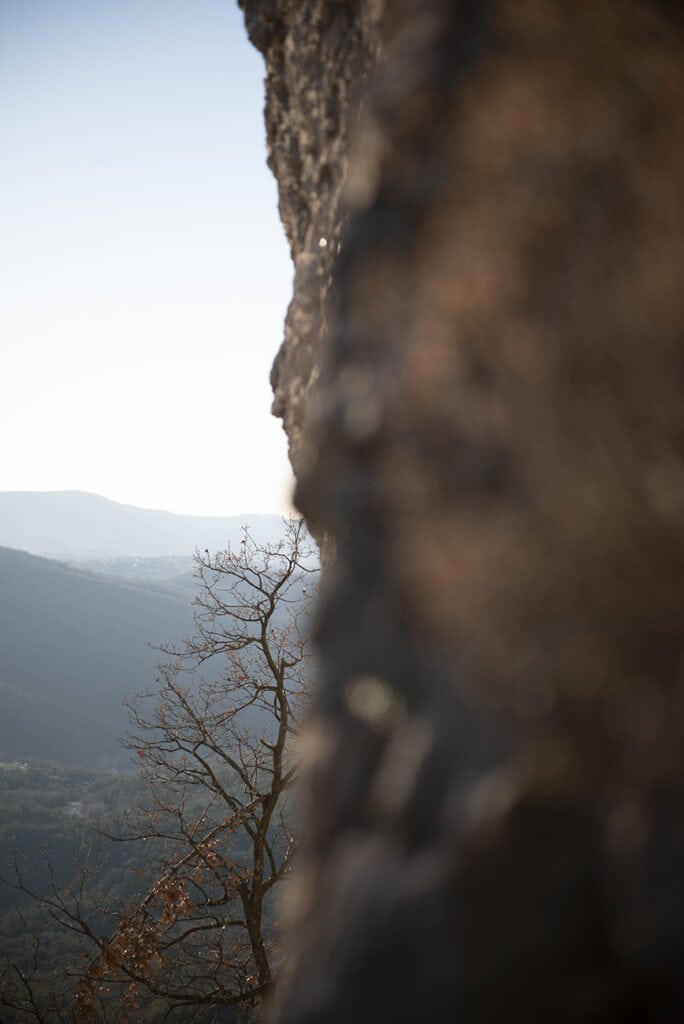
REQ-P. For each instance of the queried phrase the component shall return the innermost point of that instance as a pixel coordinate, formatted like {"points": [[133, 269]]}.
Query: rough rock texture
{"points": [[491, 429], [317, 58]]}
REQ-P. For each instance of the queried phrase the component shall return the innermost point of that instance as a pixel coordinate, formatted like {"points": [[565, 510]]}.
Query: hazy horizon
{"points": [[145, 270], [144, 508], [80, 525]]}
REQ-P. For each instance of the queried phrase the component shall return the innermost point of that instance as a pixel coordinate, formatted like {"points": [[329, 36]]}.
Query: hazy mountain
{"points": [[159, 569], [71, 644], [77, 526]]}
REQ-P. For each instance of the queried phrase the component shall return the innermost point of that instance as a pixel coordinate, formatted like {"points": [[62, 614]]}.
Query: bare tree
{"points": [[214, 743]]}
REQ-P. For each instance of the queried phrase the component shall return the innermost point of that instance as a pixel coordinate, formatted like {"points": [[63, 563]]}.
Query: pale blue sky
{"points": [[144, 275]]}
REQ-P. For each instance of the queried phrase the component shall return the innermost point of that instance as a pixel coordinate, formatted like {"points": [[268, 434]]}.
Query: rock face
{"points": [[318, 55], [481, 380]]}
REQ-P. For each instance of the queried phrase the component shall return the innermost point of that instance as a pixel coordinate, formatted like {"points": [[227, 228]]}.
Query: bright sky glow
{"points": [[144, 275]]}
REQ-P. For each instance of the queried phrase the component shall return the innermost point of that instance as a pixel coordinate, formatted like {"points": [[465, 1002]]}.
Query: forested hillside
{"points": [[161, 878], [71, 645]]}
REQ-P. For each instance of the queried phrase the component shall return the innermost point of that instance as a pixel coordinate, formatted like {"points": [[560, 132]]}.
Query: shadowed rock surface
{"points": [[481, 380]]}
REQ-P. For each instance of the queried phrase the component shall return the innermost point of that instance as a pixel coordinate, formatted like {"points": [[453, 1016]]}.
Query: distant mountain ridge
{"points": [[78, 525]]}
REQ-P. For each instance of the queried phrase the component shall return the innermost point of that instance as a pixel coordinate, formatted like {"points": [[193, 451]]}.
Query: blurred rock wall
{"points": [[481, 381]]}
